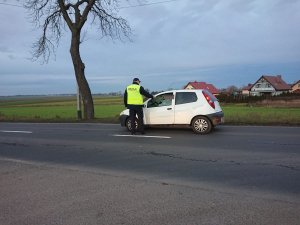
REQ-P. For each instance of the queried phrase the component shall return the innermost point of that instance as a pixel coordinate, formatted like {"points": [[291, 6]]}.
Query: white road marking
{"points": [[16, 131], [140, 136]]}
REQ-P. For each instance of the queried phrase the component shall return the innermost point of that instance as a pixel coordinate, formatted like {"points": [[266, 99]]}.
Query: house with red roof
{"points": [[202, 85], [269, 85]]}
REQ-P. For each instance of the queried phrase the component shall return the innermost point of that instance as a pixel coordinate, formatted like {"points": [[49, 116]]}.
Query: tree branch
{"points": [[110, 25], [44, 46], [64, 9], [53, 13], [86, 11]]}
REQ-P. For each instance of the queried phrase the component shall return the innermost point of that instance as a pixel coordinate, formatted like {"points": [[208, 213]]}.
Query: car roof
{"points": [[181, 90]]}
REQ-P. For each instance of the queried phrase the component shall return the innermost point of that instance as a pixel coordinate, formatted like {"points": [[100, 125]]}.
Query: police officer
{"points": [[133, 100]]}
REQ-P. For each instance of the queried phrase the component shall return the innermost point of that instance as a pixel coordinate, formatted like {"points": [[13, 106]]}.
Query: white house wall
{"points": [[262, 86], [296, 87], [189, 87]]}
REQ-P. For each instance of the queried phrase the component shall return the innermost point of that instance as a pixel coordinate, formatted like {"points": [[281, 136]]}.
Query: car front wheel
{"points": [[128, 124], [201, 125]]}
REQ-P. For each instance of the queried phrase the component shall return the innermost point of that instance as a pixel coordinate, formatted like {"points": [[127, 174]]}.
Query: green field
{"points": [[107, 109], [57, 109], [243, 114]]}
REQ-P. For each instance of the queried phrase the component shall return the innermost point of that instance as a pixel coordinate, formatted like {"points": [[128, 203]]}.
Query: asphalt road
{"points": [[98, 174]]}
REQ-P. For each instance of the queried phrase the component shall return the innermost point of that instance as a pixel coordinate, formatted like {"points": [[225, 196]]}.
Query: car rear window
{"points": [[185, 97]]}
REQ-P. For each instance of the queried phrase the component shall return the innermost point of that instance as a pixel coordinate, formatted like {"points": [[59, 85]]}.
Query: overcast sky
{"points": [[223, 42]]}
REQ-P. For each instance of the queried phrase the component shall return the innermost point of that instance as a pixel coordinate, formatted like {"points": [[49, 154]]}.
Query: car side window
{"points": [[185, 97], [161, 100]]}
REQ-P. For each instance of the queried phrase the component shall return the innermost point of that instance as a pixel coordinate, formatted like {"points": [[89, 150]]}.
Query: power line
{"points": [[3, 3], [125, 7], [146, 4]]}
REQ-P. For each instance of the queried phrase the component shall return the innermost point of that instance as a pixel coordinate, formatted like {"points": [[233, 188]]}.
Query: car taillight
{"points": [[208, 99]]}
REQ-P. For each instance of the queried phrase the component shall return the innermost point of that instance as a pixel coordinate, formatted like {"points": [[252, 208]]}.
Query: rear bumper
{"points": [[216, 118], [122, 120]]}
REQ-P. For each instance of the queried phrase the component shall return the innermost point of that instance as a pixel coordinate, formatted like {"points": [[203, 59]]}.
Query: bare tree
{"points": [[232, 89], [55, 14]]}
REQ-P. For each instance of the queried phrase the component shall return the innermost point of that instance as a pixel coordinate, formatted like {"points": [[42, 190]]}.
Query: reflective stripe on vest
{"points": [[134, 96]]}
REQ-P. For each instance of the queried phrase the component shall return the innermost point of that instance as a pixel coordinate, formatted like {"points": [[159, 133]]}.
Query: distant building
{"points": [[296, 87], [246, 89], [202, 85], [269, 85]]}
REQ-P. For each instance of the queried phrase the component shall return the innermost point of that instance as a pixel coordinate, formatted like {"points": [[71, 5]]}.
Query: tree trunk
{"points": [[87, 99]]}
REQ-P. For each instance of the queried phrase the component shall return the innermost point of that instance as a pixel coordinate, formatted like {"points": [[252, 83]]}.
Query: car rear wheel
{"points": [[128, 124], [201, 125]]}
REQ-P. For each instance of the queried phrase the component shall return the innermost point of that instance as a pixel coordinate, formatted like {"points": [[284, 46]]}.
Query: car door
{"points": [[186, 107], [160, 110]]}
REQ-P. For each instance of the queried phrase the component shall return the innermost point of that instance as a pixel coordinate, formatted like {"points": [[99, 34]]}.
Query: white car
{"points": [[198, 109]]}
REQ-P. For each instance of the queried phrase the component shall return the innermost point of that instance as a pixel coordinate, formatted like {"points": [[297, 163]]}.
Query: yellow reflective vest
{"points": [[134, 96]]}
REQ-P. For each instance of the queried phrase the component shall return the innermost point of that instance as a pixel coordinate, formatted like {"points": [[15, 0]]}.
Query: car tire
{"points": [[201, 125], [128, 124]]}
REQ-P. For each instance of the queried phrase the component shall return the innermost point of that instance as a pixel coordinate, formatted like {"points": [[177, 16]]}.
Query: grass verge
{"points": [[236, 114], [107, 109]]}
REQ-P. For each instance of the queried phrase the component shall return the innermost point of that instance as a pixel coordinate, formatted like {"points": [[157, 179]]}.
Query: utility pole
{"points": [[79, 114]]}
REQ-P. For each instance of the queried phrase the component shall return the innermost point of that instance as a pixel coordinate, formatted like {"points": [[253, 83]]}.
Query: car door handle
{"points": [[169, 108]]}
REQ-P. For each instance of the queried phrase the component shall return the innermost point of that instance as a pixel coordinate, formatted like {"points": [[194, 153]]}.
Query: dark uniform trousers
{"points": [[133, 111]]}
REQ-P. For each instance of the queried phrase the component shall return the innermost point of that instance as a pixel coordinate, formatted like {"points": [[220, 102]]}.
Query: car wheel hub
{"points": [[201, 125], [129, 125]]}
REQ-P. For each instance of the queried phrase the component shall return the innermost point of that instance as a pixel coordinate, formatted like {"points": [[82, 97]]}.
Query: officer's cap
{"points": [[136, 79]]}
